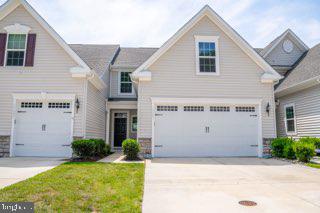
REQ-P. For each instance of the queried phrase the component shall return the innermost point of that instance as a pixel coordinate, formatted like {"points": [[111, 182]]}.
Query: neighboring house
{"points": [[298, 98], [205, 92]]}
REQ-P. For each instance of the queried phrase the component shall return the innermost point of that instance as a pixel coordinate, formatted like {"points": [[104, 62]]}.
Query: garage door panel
{"points": [[227, 131], [43, 129]]}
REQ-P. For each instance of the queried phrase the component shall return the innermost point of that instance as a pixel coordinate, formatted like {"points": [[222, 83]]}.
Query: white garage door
{"points": [[205, 131], [43, 129]]}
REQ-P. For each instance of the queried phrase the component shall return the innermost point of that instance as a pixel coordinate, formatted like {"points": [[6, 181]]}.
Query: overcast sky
{"points": [[151, 22]]}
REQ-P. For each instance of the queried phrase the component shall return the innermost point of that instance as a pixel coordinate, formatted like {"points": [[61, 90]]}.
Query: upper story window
{"points": [[16, 49], [207, 55], [125, 85], [290, 119]]}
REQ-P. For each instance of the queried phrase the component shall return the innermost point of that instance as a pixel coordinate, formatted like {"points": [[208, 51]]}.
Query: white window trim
{"points": [[119, 85], [294, 119], [214, 39], [133, 116], [24, 50]]}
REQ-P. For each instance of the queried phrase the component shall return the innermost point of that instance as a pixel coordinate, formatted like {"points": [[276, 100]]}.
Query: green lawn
{"points": [[313, 165], [82, 187]]}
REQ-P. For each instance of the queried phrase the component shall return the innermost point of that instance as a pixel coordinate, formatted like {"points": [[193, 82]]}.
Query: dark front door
{"points": [[120, 129]]}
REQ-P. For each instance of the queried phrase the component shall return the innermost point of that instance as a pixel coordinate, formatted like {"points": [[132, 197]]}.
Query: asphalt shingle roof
{"points": [[308, 68], [133, 57], [97, 57]]}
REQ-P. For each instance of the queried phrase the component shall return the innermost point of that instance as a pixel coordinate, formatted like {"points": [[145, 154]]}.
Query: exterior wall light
{"points": [[77, 104], [268, 108]]}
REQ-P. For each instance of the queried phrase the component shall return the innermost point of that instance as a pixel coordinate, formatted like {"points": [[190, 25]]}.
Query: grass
{"points": [[314, 165], [82, 187]]}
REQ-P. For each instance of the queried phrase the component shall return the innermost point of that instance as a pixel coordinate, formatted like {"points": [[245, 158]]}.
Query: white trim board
{"points": [[228, 30], [255, 101]]}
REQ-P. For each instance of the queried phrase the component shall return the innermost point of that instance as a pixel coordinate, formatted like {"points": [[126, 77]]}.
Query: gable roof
{"points": [[98, 57], [11, 5], [265, 52], [133, 57], [307, 70], [214, 17]]}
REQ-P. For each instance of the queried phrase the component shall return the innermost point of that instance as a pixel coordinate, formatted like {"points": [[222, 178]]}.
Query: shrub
{"points": [[88, 148], [315, 141], [288, 151], [131, 149], [278, 145], [304, 150]]}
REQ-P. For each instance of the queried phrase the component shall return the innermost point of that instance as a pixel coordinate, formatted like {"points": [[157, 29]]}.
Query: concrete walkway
{"points": [[117, 157], [218, 184], [13, 170]]}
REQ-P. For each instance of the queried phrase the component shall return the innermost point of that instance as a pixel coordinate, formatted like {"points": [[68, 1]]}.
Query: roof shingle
{"points": [[97, 57], [133, 57], [308, 68]]}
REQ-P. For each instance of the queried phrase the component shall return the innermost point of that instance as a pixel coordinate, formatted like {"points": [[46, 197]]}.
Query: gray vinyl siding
{"points": [[174, 75], [279, 57], [307, 111], [114, 84], [95, 113], [50, 73]]}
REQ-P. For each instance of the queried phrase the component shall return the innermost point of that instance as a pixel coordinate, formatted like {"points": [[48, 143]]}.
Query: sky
{"points": [[149, 23]]}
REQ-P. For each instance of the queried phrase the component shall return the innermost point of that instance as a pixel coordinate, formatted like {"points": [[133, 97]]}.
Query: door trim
{"points": [[112, 124], [205, 101], [45, 97]]}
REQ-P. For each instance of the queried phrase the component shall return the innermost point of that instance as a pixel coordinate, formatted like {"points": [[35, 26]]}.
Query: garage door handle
{"points": [[66, 145], [158, 146], [19, 144], [254, 145]]}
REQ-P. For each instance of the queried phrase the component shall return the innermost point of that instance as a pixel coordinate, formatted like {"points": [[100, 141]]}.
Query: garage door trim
{"points": [[206, 101], [39, 97]]}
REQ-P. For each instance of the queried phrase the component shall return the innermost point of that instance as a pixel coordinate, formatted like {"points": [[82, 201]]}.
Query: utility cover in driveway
{"points": [[205, 131]]}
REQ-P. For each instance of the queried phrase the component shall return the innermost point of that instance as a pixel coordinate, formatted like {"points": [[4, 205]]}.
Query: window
{"points": [[59, 105], [207, 60], [134, 124], [219, 109], [167, 108], [125, 83], [31, 105], [245, 109], [193, 108], [290, 122], [16, 49]]}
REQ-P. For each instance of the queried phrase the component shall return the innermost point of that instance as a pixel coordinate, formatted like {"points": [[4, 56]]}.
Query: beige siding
{"points": [[307, 109], [174, 75], [114, 84], [279, 57], [95, 113], [49, 74]]}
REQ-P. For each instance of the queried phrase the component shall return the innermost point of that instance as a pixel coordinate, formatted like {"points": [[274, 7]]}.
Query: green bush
{"points": [[315, 141], [304, 150], [278, 145], [288, 151], [88, 148], [131, 149]]}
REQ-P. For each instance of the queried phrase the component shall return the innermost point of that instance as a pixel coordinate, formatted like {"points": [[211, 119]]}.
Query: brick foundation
{"points": [[267, 147], [4, 146], [145, 144]]}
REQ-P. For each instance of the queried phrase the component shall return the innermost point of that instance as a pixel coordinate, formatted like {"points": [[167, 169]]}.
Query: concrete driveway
{"points": [[218, 184], [13, 170]]}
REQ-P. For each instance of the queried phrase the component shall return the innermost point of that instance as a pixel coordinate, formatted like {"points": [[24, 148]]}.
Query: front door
{"points": [[120, 128]]}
